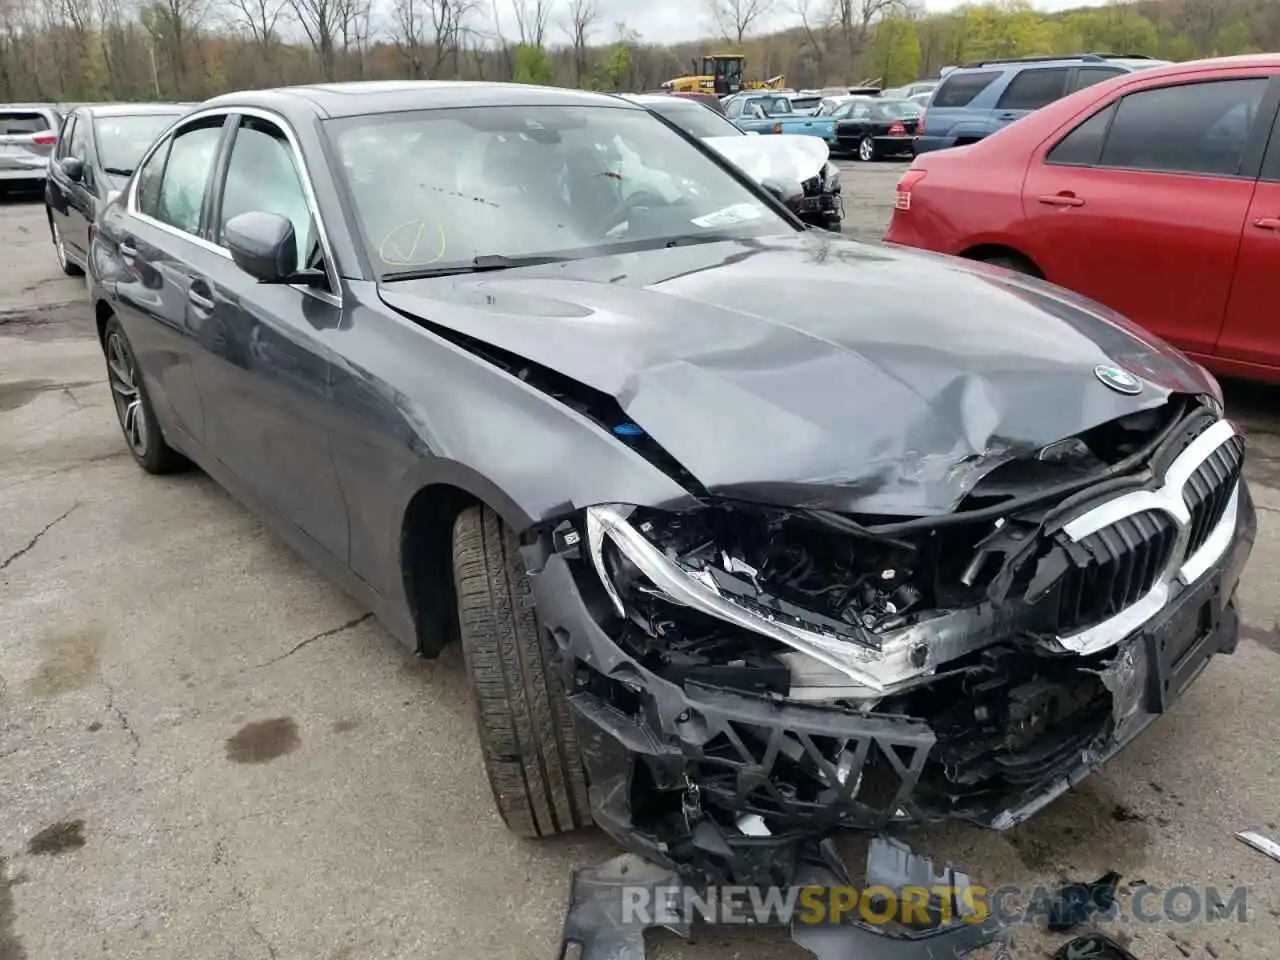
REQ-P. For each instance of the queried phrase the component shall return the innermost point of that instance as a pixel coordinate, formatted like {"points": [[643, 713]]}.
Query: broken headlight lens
{"points": [[662, 573]]}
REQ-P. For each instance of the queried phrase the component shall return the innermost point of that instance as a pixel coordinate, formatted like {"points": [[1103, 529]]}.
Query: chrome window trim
{"points": [[304, 172], [1169, 499]]}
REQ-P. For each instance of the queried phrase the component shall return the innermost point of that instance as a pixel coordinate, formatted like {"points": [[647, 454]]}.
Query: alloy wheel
{"points": [[866, 150], [125, 392]]}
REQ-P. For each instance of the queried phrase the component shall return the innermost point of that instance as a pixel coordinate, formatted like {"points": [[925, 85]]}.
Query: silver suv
{"points": [[28, 132]]}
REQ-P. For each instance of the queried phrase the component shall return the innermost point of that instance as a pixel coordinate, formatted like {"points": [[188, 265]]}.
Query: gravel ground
{"points": [[207, 752]]}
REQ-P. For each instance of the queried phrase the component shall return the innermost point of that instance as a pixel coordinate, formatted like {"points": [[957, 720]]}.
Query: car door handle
{"points": [[127, 250], [1008, 116], [1267, 223], [200, 301], [1061, 200]]}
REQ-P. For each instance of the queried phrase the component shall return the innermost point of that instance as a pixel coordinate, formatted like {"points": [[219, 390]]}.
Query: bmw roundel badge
{"points": [[1122, 381]]}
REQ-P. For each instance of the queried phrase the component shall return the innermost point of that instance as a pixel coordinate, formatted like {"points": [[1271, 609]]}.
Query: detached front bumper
{"points": [[688, 775]]}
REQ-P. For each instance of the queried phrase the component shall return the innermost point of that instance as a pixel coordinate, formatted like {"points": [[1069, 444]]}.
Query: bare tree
{"points": [[855, 17], [430, 32], [531, 20], [260, 18], [173, 26], [815, 22], [321, 20], [734, 18], [409, 35], [581, 18]]}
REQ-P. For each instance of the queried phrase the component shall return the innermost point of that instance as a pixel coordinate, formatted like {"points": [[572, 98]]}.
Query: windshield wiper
{"points": [[481, 264], [117, 172]]}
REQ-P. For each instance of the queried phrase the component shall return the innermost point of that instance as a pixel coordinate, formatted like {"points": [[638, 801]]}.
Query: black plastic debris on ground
{"points": [[1075, 903], [1094, 946], [599, 925]]}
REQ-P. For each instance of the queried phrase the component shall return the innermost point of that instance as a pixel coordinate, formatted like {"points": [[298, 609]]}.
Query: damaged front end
{"points": [[746, 680]]}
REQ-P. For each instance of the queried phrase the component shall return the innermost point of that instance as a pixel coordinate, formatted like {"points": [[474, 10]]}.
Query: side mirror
{"points": [[73, 167], [263, 246]]}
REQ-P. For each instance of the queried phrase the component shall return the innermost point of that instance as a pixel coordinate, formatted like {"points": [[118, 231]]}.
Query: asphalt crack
{"points": [[131, 733], [310, 640], [36, 539]]}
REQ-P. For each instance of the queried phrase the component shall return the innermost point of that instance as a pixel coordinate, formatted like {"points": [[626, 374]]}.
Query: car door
{"points": [[1030, 90], [57, 190], [164, 248], [1141, 205], [264, 370], [1250, 332], [80, 204]]}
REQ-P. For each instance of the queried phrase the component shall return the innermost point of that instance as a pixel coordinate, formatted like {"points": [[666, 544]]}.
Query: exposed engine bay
{"points": [[754, 678]]}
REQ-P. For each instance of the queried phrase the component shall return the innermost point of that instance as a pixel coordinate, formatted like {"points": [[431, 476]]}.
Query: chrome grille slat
{"points": [[1125, 554]]}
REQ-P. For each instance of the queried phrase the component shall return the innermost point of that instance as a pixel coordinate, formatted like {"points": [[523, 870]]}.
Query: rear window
{"points": [[15, 124], [959, 89], [1033, 89], [896, 109], [123, 140], [804, 103]]}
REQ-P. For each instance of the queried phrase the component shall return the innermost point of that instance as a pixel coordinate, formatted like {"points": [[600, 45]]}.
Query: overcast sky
{"points": [[669, 21]]}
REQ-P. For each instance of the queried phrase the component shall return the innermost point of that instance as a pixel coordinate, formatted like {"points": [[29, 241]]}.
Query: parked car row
{"points": [[692, 485], [1155, 192], [858, 125]]}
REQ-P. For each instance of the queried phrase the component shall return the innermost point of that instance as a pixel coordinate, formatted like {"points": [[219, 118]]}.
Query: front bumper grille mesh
{"points": [[1209, 490], [1115, 568]]}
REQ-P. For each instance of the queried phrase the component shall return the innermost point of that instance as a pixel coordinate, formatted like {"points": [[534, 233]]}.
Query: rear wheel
{"points": [[867, 150], [133, 406], [526, 732]]}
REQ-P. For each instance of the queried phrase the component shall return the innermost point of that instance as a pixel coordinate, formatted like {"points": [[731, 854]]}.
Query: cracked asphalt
{"points": [[208, 752]]}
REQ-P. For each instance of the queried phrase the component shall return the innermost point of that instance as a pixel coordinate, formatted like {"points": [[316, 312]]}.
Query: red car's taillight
{"points": [[45, 139], [902, 198]]}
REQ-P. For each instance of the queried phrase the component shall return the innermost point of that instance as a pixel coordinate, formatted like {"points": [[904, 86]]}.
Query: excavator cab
{"points": [[725, 70]]}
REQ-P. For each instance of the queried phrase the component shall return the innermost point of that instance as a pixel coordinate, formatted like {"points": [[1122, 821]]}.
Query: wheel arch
{"points": [[426, 562], [102, 312], [1000, 251]]}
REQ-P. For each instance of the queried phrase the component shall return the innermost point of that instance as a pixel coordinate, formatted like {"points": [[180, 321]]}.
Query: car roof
{"points": [[363, 98], [646, 98], [30, 107], [133, 109]]}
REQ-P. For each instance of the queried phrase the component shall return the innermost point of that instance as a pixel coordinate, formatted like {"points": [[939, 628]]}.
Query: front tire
{"points": [[526, 731], [133, 406]]}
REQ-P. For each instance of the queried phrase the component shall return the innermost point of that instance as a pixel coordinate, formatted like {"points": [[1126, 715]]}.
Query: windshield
{"points": [[695, 119], [123, 140], [897, 109], [440, 188]]}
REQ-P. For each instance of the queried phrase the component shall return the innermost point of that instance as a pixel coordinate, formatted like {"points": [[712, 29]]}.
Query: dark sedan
{"points": [[749, 533], [97, 149], [871, 128]]}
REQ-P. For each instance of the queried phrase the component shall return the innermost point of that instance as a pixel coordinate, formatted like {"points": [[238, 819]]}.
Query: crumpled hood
{"points": [[784, 156], [812, 371]]}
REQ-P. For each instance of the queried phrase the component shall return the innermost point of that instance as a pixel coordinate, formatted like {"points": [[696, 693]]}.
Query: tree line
{"points": [[90, 50]]}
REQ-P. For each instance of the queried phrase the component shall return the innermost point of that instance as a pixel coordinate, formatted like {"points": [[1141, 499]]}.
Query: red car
{"points": [[1156, 194]]}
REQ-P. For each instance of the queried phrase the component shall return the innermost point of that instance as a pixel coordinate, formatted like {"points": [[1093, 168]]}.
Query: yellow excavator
{"points": [[722, 75]]}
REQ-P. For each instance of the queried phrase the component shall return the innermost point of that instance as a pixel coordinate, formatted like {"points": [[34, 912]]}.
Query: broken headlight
{"points": [[735, 568]]}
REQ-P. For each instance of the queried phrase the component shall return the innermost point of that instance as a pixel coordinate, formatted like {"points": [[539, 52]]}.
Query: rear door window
{"points": [[1189, 128], [1033, 89], [959, 89], [16, 123], [1088, 76], [1083, 145]]}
